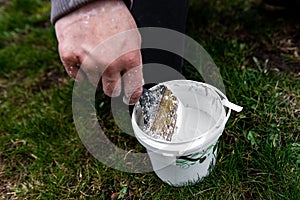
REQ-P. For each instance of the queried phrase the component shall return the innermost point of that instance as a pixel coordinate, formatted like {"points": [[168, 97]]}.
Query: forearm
{"points": [[60, 8]]}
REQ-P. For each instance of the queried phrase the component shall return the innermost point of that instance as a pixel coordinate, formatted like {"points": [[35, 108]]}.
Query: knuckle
{"points": [[132, 58], [65, 55], [110, 81], [134, 97], [111, 88], [109, 73]]}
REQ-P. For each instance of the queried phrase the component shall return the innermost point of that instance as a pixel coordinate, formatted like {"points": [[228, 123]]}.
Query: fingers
{"points": [[133, 77], [133, 82], [74, 72], [111, 82], [71, 64], [128, 65]]}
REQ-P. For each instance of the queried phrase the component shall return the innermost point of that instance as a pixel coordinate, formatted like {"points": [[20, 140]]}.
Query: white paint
{"points": [[87, 15], [194, 124], [118, 6]]}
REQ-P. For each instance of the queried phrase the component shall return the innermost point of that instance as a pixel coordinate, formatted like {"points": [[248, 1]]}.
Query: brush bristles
{"points": [[165, 122], [160, 113]]}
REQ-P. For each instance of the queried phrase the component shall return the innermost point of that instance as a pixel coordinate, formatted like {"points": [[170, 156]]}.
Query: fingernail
{"points": [[127, 101], [133, 98], [116, 93]]}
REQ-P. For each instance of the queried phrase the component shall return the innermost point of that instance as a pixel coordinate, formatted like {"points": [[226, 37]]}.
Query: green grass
{"points": [[42, 157]]}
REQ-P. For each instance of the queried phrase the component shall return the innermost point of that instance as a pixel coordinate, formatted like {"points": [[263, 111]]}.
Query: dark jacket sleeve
{"points": [[60, 8]]}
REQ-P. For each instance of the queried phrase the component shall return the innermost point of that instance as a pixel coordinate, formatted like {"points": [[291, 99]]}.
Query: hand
{"points": [[101, 39]]}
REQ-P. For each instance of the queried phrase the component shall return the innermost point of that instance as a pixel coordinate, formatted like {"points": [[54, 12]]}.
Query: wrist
{"points": [[61, 8]]}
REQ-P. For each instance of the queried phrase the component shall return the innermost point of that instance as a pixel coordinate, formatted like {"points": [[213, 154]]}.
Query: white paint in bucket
{"points": [[191, 154]]}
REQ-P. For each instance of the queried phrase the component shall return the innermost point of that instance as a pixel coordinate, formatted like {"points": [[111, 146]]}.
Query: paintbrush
{"points": [[160, 110]]}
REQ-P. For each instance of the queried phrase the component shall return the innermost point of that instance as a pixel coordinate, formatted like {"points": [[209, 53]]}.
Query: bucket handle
{"points": [[232, 106], [225, 102]]}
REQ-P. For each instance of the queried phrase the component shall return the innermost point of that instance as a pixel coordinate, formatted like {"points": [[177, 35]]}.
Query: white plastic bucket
{"points": [[192, 154]]}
